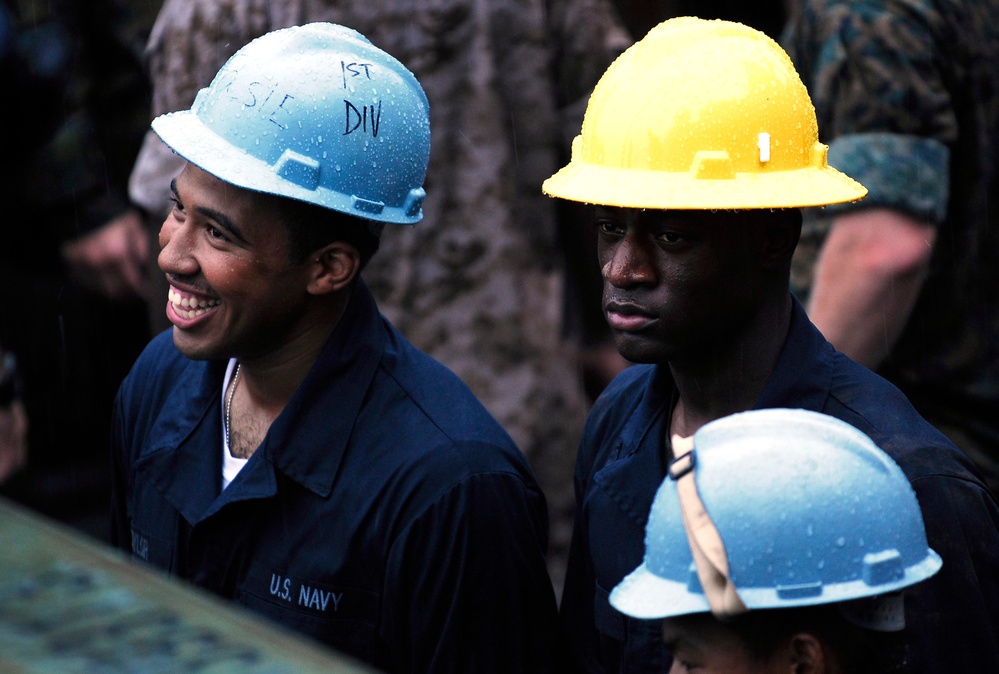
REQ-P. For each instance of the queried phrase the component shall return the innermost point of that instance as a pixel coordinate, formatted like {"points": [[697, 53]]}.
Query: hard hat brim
{"points": [[188, 136], [644, 595], [631, 188]]}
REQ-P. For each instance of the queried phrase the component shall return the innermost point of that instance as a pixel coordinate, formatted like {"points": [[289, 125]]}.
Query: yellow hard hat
{"points": [[701, 115]]}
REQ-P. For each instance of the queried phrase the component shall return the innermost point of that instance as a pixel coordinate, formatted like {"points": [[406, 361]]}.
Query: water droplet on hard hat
{"points": [[840, 541]]}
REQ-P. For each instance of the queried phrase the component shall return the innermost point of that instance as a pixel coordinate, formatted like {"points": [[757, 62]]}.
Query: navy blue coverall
{"points": [[385, 513], [952, 619]]}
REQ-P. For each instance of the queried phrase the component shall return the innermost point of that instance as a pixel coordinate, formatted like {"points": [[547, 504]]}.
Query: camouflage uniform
{"points": [[477, 283], [907, 97]]}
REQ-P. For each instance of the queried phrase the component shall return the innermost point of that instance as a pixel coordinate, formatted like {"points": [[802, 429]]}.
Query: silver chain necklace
{"points": [[228, 404]]}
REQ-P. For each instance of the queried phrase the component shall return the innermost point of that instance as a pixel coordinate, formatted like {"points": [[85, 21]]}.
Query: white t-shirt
{"points": [[230, 464]]}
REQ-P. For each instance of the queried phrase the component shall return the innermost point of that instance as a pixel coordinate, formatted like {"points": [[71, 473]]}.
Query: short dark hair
{"points": [[860, 650], [311, 227]]}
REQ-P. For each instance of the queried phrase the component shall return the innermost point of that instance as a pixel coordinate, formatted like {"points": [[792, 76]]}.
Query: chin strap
{"points": [[706, 545]]}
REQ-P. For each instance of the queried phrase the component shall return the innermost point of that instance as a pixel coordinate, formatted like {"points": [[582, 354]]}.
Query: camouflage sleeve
{"points": [[881, 100], [902, 172]]}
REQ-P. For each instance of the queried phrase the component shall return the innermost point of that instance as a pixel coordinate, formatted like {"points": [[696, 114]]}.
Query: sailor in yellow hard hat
{"points": [[697, 151]]}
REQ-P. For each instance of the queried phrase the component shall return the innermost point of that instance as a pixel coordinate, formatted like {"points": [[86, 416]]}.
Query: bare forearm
{"points": [[867, 279]]}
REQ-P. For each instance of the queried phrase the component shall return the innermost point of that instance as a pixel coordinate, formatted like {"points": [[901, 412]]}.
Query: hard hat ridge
{"points": [[701, 115], [315, 113]]}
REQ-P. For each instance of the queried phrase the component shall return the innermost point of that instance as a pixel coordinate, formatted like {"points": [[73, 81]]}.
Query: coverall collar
{"points": [[641, 448], [184, 462]]}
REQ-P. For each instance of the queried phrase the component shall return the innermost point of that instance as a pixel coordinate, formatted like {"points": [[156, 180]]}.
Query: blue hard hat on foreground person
{"points": [[698, 151], [283, 445], [801, 565], [346, 128]]}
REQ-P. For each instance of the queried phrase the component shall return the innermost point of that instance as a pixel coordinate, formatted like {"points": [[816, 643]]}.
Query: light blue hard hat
{"points": [[315, 113], [809, 510]]}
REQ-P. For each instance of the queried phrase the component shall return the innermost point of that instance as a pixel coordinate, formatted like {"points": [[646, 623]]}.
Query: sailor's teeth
{"points": [[190, 314], [190, 307]]}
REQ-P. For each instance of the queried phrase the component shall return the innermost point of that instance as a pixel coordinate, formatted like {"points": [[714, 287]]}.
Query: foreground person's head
{"points": [[780, 543], [307, 142], [698, 149]]}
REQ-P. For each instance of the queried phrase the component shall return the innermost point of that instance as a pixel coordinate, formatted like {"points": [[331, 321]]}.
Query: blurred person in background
{"points": [[905, 282], [13, 418], [73, 249]]}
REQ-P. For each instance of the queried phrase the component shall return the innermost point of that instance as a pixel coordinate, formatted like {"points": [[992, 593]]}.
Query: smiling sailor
{"points": [[283, 446]]}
